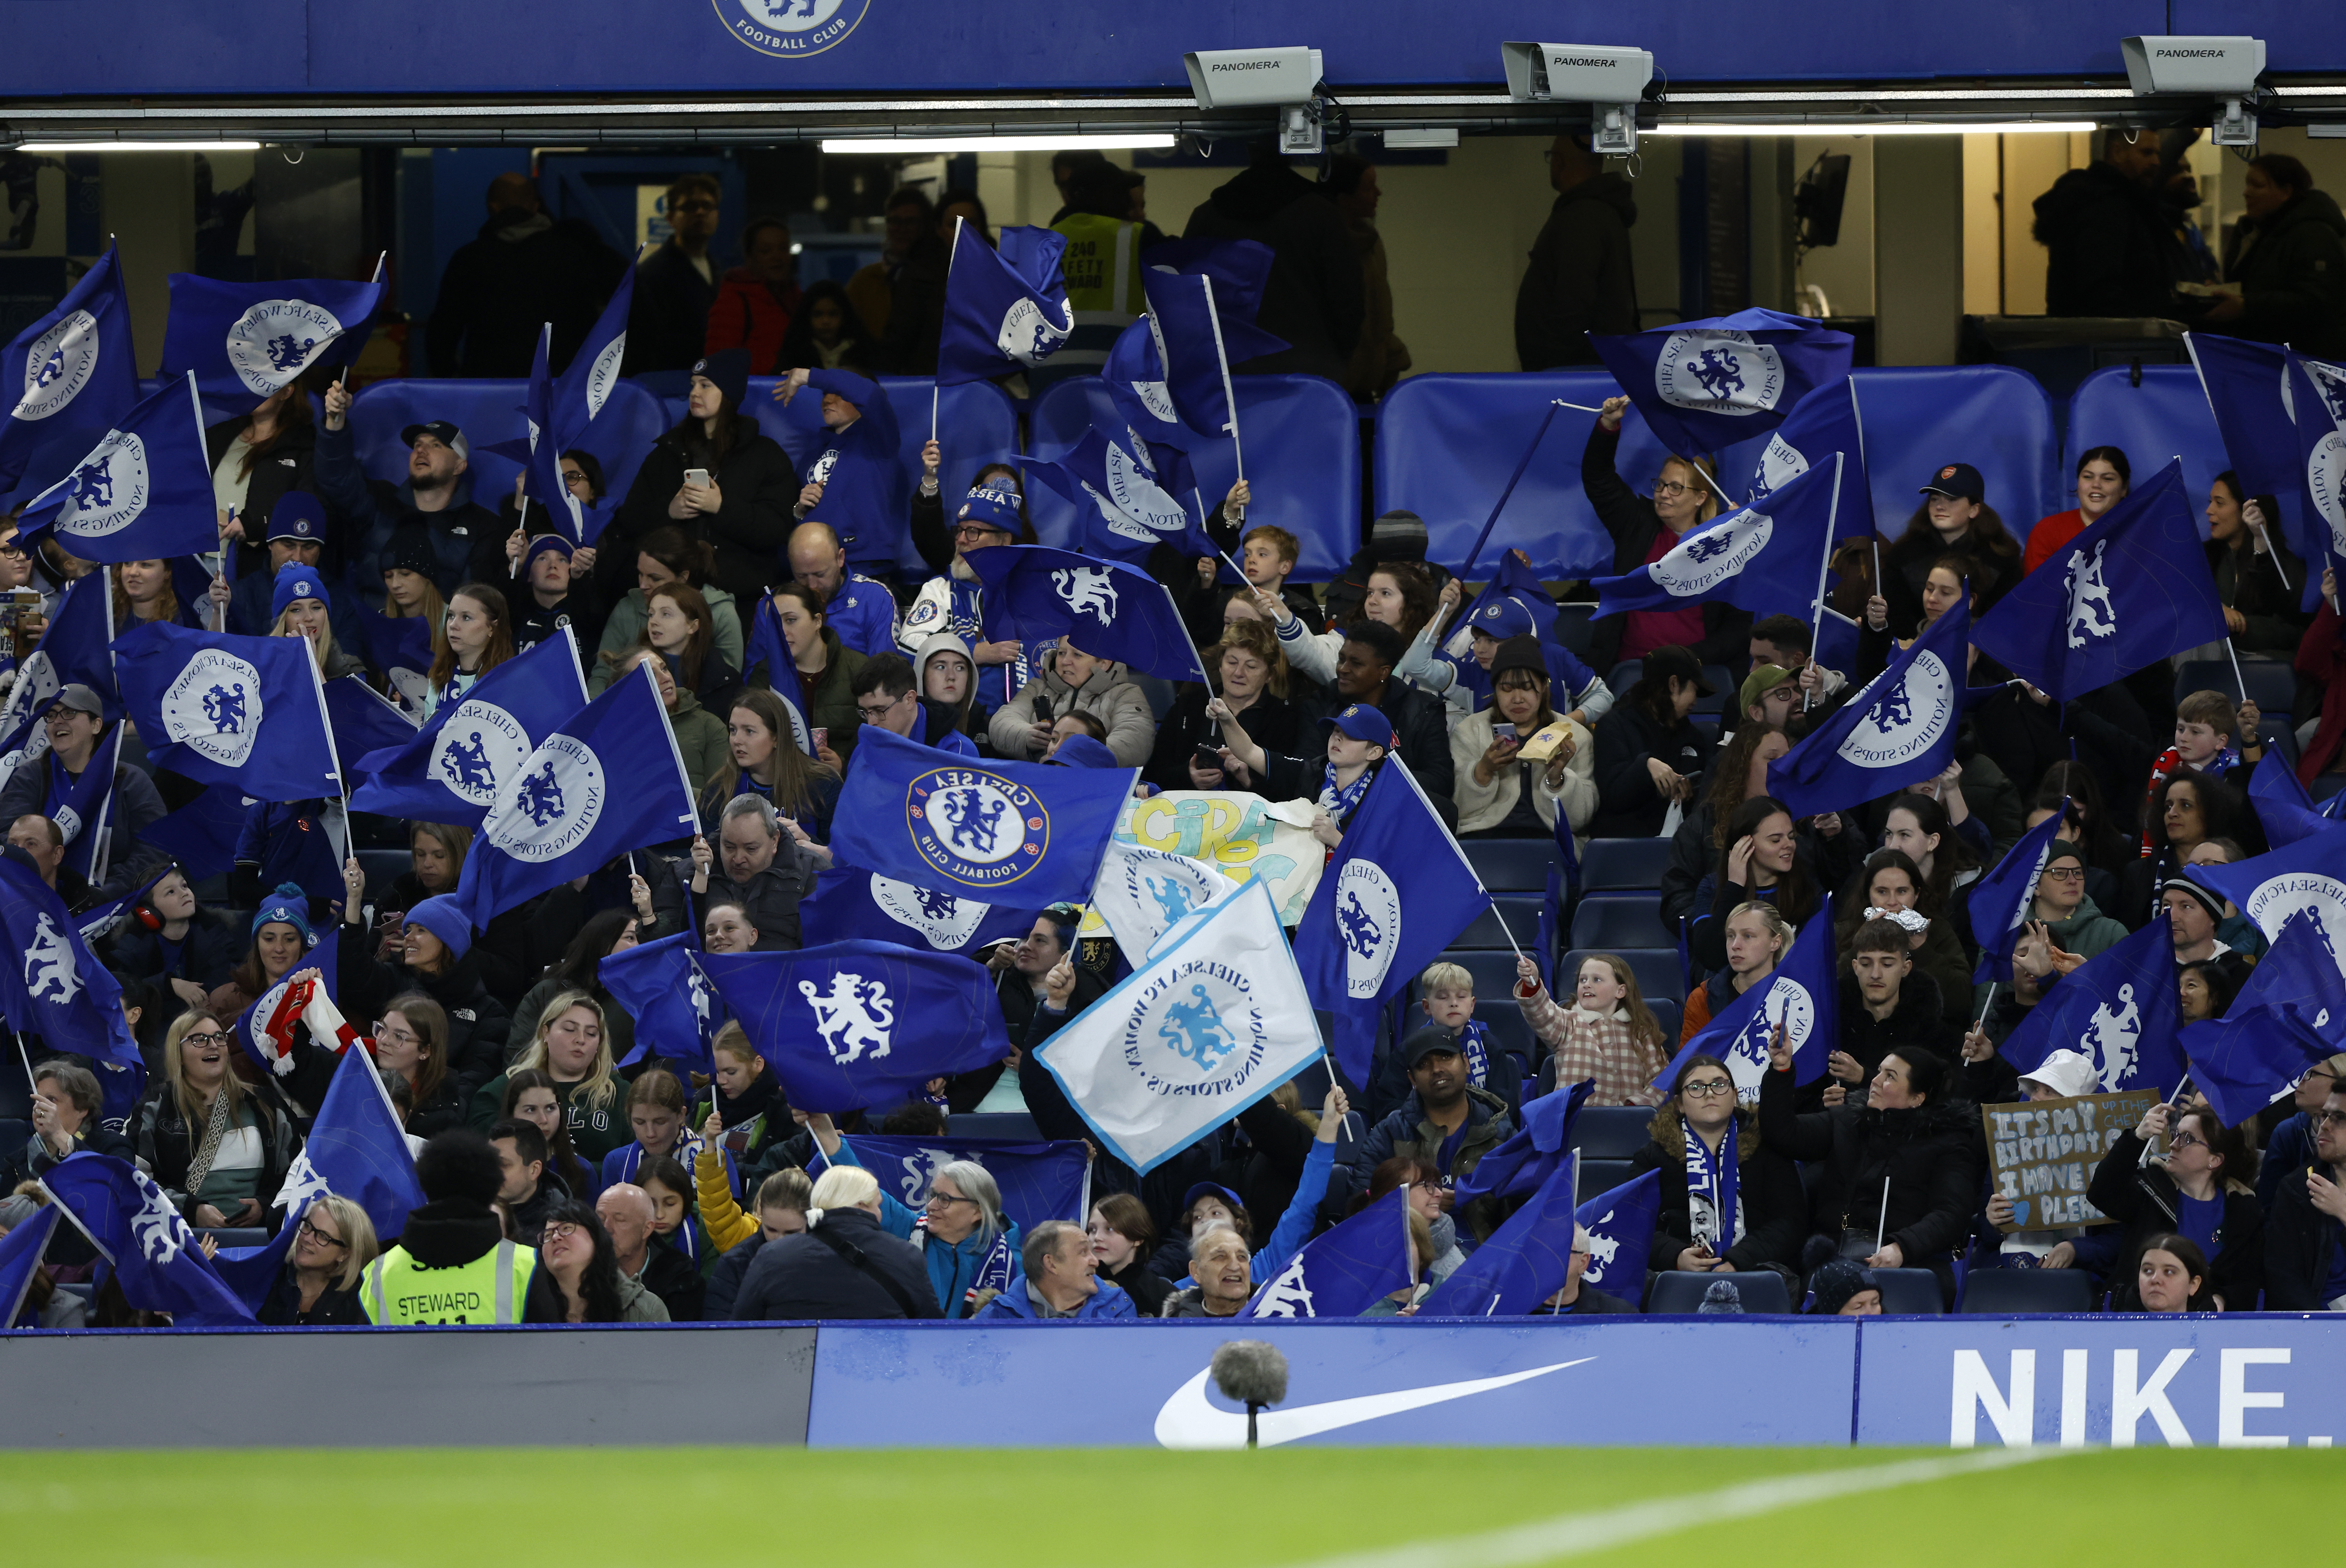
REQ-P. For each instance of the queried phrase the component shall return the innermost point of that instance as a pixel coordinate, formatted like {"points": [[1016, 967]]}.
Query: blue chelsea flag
{"points": [[145, 1242], [2290, 1017], [1802, 997], [850, 904], [51, 984], [1341, 1274], [1039, 1181], [203, 700], [1129, 492], [451, 771], [1620, 1226], [2246, 385], [20, 1260], [2304, 881], [244, 340], [662, 987], [2125, 592], [1006, 311], [579, 393], [77, 648], [1705, 384], [1396, 893], [1112, 612], [78, 371], [1769, 555], [356, 1149], [2284, 809], [142, 493], [1534, 1151], [1825, 423], [1202, 298], [1008, 832], [601, 784], [2004, 902], [2120, 1009], [1898, 729], [853, 1024], [1522, 1264]]}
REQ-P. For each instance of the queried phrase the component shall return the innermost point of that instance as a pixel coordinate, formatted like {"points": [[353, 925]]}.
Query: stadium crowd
{"points": [[580, 1190]]}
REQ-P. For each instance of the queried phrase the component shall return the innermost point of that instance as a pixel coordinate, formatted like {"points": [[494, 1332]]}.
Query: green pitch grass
{"points": [[1136, 1508]]}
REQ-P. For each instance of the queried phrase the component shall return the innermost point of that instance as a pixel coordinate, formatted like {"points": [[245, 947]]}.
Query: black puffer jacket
{"points": [[759, 486], [800, 1278], [1931, 1157], [1580, 280], [2146, 1200], [1634, 524], [478, 1021], [289, 464], [2291, 268], [1917, 1024], [1316, 296], [1766, 1186], [2112, 251], [1626, 804], [2301, 1242]]}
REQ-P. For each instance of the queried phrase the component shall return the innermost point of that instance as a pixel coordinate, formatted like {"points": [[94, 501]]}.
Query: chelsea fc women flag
{"points": [[1768, 557], [244, 340], [75, 370], [1214, 1022], [202, 701], [451, 771], [1016, 833], [1006, 311], [1109, 611], [142, 493], [1900, 729], [1705, 384]]}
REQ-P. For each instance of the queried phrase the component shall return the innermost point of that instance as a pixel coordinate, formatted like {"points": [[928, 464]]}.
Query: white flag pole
{"points": [[1451, 840], [1825, 566], [951, 257], [318, 685], [1229, 396]]}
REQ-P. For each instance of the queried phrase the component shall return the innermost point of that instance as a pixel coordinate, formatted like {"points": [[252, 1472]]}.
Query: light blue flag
{"points": [[356, 1149], [1901, 728], [2125, 592], [1344, 1271], [606, 780], [225, 709], [452, 769], [1802, 997], [853, 1024], [850, 904], [75, 649], [147, 1246], [244, 340], [51, 985], [142, 493], [1711, 383], [77, 371], [2290, 1016], [1524, 1262], [2307, 879], [1768, 557], [662, 987], [1006, 311], [1108, 611], [1394, 896], [1010, 832], [2001, 902], [1535, 1150], [1826, 422], [20, 1260], [1620, 1226], [2120, 1009]]}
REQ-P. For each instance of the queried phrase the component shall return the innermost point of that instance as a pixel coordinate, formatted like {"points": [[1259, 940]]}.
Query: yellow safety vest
{"points": [[491, 1288]]}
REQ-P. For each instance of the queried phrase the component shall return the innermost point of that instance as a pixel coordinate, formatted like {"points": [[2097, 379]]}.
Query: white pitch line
{"points": [[1575, 1534]]}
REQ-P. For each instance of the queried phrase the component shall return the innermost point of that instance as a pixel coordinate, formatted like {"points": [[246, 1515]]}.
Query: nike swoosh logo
{"points": [[1189, 1420]]}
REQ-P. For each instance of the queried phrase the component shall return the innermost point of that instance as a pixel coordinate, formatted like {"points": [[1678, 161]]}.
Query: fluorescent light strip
{"points": [[1861, 128], [915, 146], [65, 147]]}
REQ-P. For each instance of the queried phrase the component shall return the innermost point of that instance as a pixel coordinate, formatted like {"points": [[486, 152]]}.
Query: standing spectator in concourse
{"points": [[910, 222], [668, 324], [758, 300], [1381, 357], [2287, 259], [2111, 251], [523, 269], [1314, 298], [1580, 280]]}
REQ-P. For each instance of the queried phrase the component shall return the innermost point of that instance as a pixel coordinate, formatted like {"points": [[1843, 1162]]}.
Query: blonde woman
{"points": [[1757, 938], [298, 608], [572, 1048], [219, 1152], [332, 1244]]}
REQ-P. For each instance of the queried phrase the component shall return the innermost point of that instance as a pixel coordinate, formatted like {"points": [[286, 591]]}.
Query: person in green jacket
{"points": [[2066, 928], [700, 734]]}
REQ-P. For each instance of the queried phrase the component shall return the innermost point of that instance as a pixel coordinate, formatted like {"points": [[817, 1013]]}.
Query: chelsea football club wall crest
{"points": [[789, 28]]}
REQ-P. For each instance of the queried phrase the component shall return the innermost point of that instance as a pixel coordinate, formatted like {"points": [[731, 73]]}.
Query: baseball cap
{"points": [[299, 515], [1212, 1189], [1959, 480], [81, 699], [1427, 1042], [1764, 679], [1502, 618], [1362, 722], [442, 430], [1674, 660]]}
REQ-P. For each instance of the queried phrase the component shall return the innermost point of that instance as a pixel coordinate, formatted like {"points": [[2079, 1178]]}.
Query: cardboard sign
{"points": [[2042, 1153]]}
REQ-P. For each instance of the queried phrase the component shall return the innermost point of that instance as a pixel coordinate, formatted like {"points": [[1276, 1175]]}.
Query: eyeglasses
{"points": [[2331, 1119], [2065, 874], [572, 477], [205, 1037], [307, 1232], [1671, 487], [702, 205], [2186, 1141], [978, 531], [1709, 1090], [875, 715], [559, 1233], [937, 1199], [397, 1036]]}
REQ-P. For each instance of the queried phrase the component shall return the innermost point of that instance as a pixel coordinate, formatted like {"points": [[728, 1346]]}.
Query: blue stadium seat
{"points": [[2151, 412], [1511, 865], [1722, 684], [1657, 969], [1708, 723], [1910, 1292], [1602, 1175], [1010, 1126], [383, 867], [2006, 1292], [1611, 921], [1521, 914], [489, 410], [1611, 1132], [1678, 1294], [1624, 675], [1303, 441], [1572, 627], [2271, 682], [1670, 1015], [2277, 735], [1611, 865]]}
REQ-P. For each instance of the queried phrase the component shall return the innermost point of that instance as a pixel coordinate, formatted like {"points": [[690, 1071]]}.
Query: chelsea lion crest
{"points": [[214, 708], [275, 340], [978, 829], [1719, 372], [549, 805], [789, 28]]}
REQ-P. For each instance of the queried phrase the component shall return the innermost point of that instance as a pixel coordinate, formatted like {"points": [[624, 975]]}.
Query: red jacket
{"points": [[748, 314], [2049, 534], [2321, 655]]}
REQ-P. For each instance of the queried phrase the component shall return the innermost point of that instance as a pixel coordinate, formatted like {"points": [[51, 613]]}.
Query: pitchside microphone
{"points": [[1253, 1373]]}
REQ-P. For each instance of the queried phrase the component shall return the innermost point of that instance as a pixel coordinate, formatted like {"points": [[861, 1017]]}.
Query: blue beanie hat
{"points": [[289, 905], [540, 546], [727, 370], [295, 581], [445, 919], [993, 506]]}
